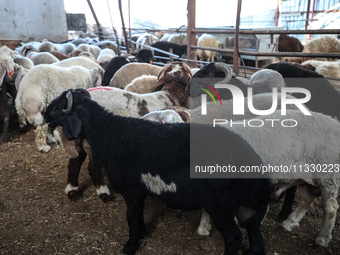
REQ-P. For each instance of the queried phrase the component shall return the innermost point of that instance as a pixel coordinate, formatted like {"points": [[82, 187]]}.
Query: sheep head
{"points": [[210, 74], [175, 71], [62, 112]]}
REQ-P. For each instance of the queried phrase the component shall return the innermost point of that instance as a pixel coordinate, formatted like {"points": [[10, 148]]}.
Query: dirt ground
{"points": [[36, 217]]}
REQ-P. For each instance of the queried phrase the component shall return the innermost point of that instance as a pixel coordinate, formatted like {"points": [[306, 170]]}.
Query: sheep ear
{"points": [[159, 83], [72, 127]]}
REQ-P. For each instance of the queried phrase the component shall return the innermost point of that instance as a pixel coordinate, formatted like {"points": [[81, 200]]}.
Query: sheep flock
{"points": [[194, 138]]}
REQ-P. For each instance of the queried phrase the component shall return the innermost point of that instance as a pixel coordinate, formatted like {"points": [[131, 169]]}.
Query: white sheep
{"points": [[324, 43], [209, 41], [41, 85], [106, 54], [146, 39], [327, 69], [267, 79], [94, 50], [24, 62], [6, 62], [180, 38], [128, 72], [39, 58], [78, 61], [142, 84]]}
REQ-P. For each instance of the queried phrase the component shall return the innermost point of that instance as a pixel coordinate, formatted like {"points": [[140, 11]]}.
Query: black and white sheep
{"points": [[142, 56], [173, 80], [118, 142]]}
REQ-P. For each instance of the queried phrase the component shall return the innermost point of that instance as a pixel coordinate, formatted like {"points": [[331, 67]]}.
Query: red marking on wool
{"points": [[100, 88]]}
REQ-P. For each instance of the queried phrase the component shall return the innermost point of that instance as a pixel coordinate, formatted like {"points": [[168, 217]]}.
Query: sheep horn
{"points": [[226, 69], [69, 103]]}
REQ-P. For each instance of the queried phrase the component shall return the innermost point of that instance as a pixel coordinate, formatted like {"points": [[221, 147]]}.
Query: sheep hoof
{"points": [[44, 148], [290, 226], [130, 248], [74, 195], [107, 198], [249, 252], [323, 241], [204, 231]]}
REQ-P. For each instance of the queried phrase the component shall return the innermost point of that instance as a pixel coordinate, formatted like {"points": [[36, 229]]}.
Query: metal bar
{"points": [[274, 54], [264, 31], [153, 48], [237, 33], [308, 7], [97, 21], [124, 32], [191, 36]]}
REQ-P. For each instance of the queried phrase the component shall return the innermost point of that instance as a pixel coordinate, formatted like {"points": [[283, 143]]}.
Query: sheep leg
{"points": [[330, 207], [205, 226], [74, 166], [287, 206], [306, 201], [41, 139], [95, 171], [251, 220], [135, 217], [223, 214]]}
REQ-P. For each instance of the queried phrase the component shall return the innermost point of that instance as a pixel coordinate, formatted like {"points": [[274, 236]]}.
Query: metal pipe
{"points": [[237, 34], [124, 32], [191, 36], [264, 31], [274, 54], [307, 17], [97, 21]]}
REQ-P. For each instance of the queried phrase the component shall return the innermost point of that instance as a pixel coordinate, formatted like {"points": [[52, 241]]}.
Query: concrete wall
{"points": [[33, 20]]}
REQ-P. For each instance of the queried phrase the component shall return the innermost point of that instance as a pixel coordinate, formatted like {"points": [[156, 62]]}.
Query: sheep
{"points": [[39, 58], [324, 43], [146, 39], [143, 84], [206, 40], [75, 53], [178, 49], [266, 79], [6, 62], [310, 142], [78, 61], [165, 116], [288, 43], [94, 50], [42, 84], [107, 44], [221, 72], [154, 172], [142, 56], [106, 54], [24, 62], [47, 46], [324, 97], [179, 38], [126, 104], [59, 55], [130, 71], [325, 68], [88, 55], [26, 48], [172, 82]]}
